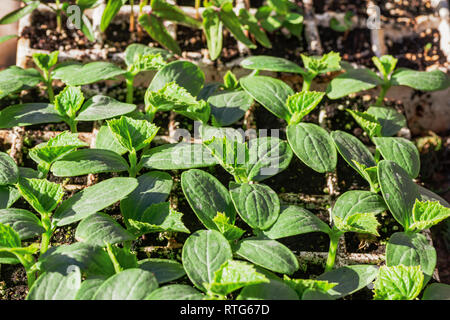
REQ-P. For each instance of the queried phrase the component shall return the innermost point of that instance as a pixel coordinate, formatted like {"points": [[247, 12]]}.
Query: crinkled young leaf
{"points": [[130, 284], [9, 238], [93, 199], [8, 196], [105, 140], [100, 229], [399, 191], [28, 114], [268, 157], [402, 151], [411, 249], [302, 285], [69, 101], [45, 61], [181, 155], [227, 107], [132, 134], [186, 74], [56, 285], [204, 252], [9, 172], [270, 63], [159, 217], [213, 30], [139, 50], [89, 287], [146, 62], [367, 122], [268, 254], [170, 97], [294, 220], [153, 187], [421, 80], [349, 279], [426, 214], [437, 291], [165, 270], [230, 81], [271, 93], [234, 275], [257, 204], [227, 228], [86, 161], [370, 174], [41, 194], [302, 103], [391, 120], [76, 74], [398, 283], [328, 62], [358, 222], [354, 80], [313, 145], [25, 223], [207, 196], [175, 292], [231, 22], [385, 64], [103, 107]]}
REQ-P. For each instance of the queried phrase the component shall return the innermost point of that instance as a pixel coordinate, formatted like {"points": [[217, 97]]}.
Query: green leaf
{"points": [[41, 194], [302, 103], [28, 114], [16, 15], [352, 149], [130, 284], [207, 196], [100, 229], [391, 120], [437, 291], [93, 199], [354, 80], [85, 161], [268, 157], [153, 187], [367, 122], [313, 145], [213, 30], [234, 275], [428, 195], [349, 279], [56, 286], [181, 155], [257, 204], [358, 201], [111, 10], [270, 93], [398, 283], [426, 214], [25, 223], [132, 134], [158, 32], [227, 107], [385, 64], [204, 252], [103, 107], [126, 258], [411, 249], [268, 254], [294, 220], [270, 63], [230, 81], [29, 77], [302, 285], [8, 87], [56, 148], [159, 217], [135, 51], [9, 172], [231, 22], [227, 227], [76, 74], [167, 11], [147, 62], [69, 101], [175, 292], [329, 62], [45, 61], [9, 238], [401, 151], [274, 290], [399, 191], [105, 140], [420, 80], [358, 222], [88, 288], [165, 270], [251, 24], [186, 74], [8, 196]]}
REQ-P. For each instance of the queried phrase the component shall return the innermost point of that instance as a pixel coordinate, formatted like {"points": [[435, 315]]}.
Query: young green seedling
{"points": [[398, 283], [45, 62], [356, 80]]}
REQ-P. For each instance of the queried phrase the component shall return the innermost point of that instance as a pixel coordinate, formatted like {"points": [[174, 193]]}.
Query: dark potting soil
{"points": [[358, 7], [404, 8]]}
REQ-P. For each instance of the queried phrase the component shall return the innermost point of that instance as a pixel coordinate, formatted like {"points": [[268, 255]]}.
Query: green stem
{"points": [[133, 171], [116, 264], [384, 89], [45, 241], [334, 241], [58, 16], [130, 87], [28, 261], [307, 80], [73, 126], [48, 82]]}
